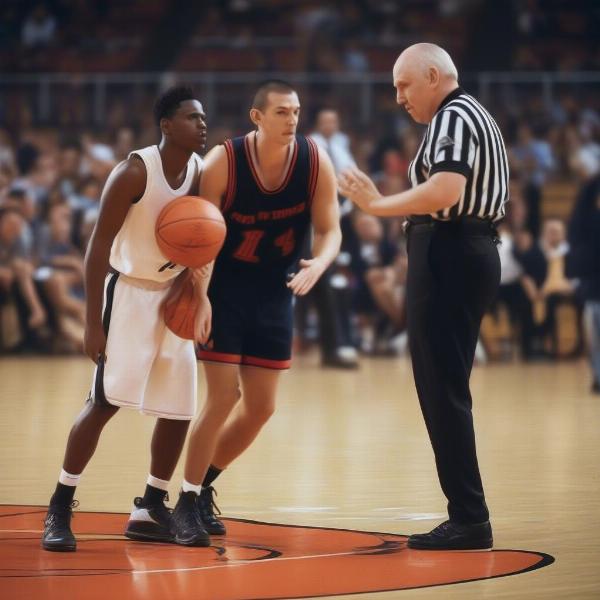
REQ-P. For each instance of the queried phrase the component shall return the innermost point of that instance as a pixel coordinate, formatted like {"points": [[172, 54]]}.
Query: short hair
{"points": [[167, 103], [272, 85]]}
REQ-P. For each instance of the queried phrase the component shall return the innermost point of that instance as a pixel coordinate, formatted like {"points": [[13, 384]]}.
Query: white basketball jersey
{"points": [[134, 250]]}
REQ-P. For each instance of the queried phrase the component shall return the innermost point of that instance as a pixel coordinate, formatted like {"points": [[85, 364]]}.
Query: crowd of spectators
{"points": [[51, 182], [313, 35], [54, 163]]}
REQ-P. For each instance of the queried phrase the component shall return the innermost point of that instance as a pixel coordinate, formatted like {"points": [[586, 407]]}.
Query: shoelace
{"points": [[442, 528], [211, 505], [60, 512]]}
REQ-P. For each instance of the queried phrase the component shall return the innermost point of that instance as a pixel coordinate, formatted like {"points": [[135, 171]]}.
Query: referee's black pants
{"points": [[453, 277]]}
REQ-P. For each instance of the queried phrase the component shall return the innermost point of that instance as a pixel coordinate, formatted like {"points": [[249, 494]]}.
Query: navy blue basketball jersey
{"points": [[266, 228]]}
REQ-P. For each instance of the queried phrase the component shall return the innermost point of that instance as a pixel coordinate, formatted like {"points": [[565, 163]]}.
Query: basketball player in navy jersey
{"points": [[140, 363], [271, 185]]}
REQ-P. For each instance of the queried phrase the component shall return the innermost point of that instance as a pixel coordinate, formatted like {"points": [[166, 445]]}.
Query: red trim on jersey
{"points": [[231, 176], [222, 357], [254, 361], [314, 169], [288, 176]]}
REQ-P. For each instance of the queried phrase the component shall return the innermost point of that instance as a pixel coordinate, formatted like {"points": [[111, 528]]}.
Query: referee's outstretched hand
{"points": [[358, 187]]}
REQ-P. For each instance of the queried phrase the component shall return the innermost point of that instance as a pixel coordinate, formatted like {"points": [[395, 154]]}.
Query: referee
{"points": [[459, 187]]}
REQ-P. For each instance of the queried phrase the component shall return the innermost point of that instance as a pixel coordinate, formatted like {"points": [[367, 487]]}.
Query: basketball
{"points": [[190, 231], [180, 316]]}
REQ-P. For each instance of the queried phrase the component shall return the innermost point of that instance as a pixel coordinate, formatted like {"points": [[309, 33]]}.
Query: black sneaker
{"points": [[206, 507], [454, 536], [187, 523], [57, 536], [152, 523]]}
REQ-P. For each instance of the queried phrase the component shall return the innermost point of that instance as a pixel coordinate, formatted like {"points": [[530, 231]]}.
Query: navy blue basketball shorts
{"points": [[252, 324]]}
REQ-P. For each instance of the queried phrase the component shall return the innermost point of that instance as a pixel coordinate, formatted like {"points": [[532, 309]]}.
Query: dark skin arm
{"points": [[200, 278], [126, 184]]}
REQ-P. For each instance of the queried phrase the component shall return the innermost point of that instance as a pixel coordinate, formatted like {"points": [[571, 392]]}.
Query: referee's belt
{"points": [[469, 225]]}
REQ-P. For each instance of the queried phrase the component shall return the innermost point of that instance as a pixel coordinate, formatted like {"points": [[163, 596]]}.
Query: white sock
{"points": [[68, 478], [161, 484], [186, 486]]}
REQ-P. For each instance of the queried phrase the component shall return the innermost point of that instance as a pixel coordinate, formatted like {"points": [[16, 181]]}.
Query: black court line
{"points": [[545, 559]]}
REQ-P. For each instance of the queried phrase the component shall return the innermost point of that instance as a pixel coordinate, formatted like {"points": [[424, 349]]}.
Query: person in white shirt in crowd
{"points": [[330, 292]]}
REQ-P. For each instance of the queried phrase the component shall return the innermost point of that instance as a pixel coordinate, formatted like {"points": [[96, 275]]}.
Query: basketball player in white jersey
{"points": [[140, 363]]}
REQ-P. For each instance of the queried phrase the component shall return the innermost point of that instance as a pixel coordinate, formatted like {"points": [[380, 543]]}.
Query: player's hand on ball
{"points": [[94, 341], [309, 273], [203, 321], [358, 187]]}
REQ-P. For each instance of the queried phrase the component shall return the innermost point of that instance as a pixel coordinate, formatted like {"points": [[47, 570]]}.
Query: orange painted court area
{"points": [[255, 560]]}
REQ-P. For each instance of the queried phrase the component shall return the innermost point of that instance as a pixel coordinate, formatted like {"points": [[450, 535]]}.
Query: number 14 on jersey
{"points": [[246, 251]]}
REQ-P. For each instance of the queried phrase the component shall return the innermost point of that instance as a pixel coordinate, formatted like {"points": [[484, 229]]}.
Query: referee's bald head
{"points": [[423, 76], [424, 56]]}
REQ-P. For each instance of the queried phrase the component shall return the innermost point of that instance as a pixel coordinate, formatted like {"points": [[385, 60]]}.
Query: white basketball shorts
{"points": [[147, 367]]}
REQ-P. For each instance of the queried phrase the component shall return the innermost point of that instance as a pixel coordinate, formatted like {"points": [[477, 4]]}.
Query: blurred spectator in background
{"points": [[60, 273], [7, 154], [556, 290], [27, 158], [69, 167], [583, 152], [380, 274], [39, 28], [17, 267], [330, 293], [584, 263], [532, 159], [327, 135], [124, 143], [511, 293], [529, 255]]}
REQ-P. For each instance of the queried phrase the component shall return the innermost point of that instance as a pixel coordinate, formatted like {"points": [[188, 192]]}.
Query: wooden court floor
{"points": [[344, 455]]}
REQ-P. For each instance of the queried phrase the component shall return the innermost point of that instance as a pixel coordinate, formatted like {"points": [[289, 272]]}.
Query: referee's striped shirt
{"points": [[463, 138]]}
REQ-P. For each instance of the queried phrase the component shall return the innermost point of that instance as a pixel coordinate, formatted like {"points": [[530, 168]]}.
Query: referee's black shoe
{"points": [[207, 507], [187, 523], [57, 536], [454, 536]]}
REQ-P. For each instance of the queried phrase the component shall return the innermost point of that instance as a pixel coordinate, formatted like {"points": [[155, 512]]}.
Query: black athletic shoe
{"points": [[207, 507], [454, 536], [57, 536], [187, 523], [152, 523]]}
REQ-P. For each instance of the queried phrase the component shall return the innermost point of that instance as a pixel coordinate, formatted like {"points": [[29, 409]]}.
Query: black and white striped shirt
{"points": [[463, 138]]}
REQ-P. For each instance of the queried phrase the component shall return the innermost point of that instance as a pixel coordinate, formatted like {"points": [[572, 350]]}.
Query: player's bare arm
{"points": [[325, 219], [213, 185], [125, 185], [441, 191], [200, 279]]}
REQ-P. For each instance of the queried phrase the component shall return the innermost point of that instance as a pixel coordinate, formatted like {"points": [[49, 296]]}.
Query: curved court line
{"points": [[385, 546]]}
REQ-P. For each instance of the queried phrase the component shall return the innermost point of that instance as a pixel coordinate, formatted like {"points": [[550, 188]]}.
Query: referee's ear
{"points": [[433, 75]]}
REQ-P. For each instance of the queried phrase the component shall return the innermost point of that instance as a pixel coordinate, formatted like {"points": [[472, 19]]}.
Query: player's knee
{"points": [[262, 411], [226, 397]]}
